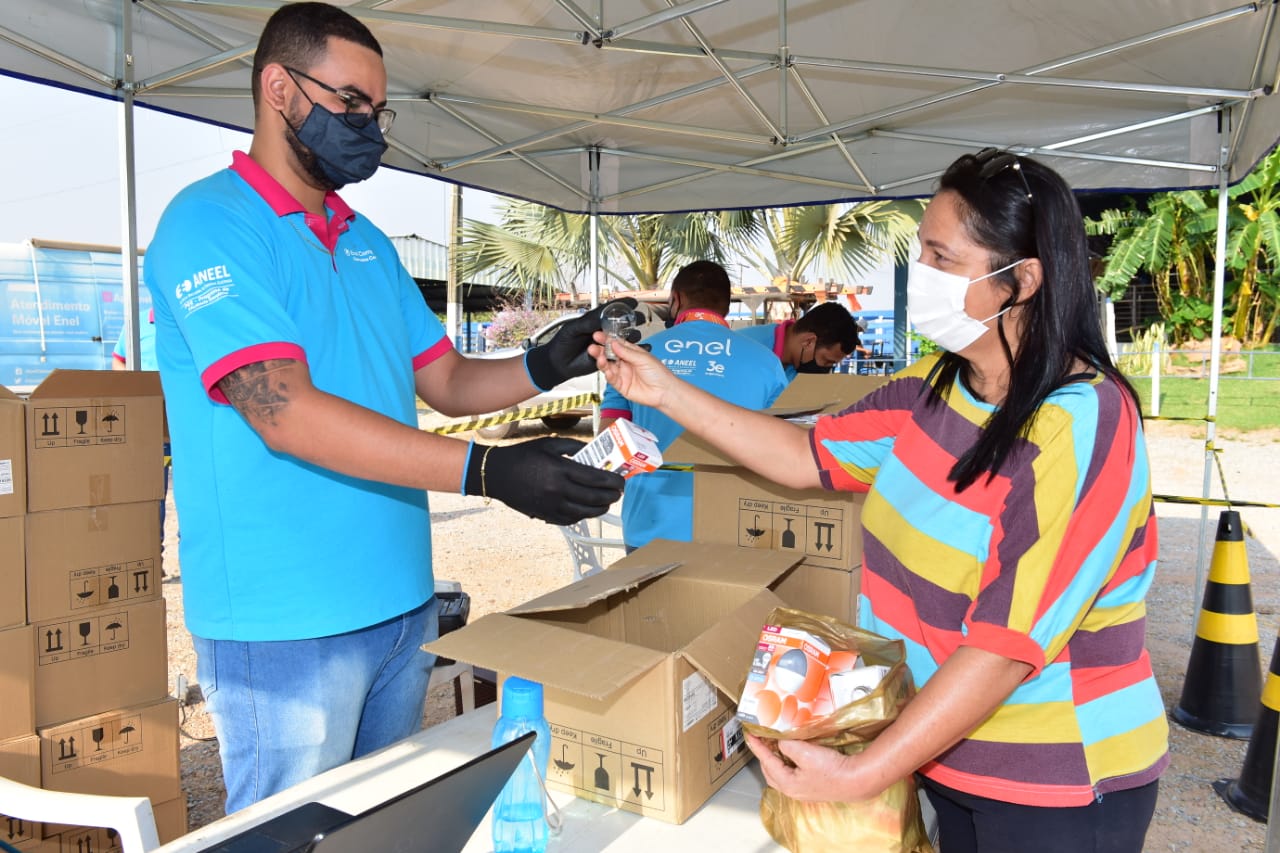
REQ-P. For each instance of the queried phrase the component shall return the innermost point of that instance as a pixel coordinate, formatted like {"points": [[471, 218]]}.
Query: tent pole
{"points": [[452, 287], [1215, 349], [128, 195], [593, 164]]}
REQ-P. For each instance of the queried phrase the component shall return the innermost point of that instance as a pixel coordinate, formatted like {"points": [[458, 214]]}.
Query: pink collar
{"points": [[701, 314], [780, 339], [326, 230]]}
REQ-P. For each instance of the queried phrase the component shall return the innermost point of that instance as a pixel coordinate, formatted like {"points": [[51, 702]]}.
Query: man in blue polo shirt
{"points": [[700, 348], [815, 343], [291, 345]]}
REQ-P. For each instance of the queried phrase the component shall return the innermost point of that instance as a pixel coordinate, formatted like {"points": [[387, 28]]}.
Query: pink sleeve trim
{"points": [[118, 357], [249, 355], [616, 414], [436, 350]]}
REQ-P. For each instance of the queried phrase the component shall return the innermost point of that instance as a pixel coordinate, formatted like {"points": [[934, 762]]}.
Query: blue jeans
{"points": [[287, 710]]}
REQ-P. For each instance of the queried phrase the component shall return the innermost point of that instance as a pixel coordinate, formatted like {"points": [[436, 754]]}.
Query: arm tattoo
{"points": [[258, 391]]}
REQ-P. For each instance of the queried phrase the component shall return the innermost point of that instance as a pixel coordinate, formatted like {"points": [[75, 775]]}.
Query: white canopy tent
{"points": [[621, 106]]}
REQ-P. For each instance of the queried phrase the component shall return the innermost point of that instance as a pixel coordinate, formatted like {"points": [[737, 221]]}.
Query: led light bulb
{"points": [[616, 320]]}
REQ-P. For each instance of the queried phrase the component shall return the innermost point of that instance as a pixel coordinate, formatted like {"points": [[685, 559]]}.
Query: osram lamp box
{"points": [[94, 437], [622, 447], [20, 762], [642, 666], [80, 560], [733, 506], [130, 751], [13, 454], [13, 579], [17, 676], [108, 658]]}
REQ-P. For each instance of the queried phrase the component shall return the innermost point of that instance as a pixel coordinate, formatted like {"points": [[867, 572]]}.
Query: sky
{"points": [[63, 153]]}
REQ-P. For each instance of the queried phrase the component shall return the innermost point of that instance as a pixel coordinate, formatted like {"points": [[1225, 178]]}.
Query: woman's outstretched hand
{"points": [[635, 374]]}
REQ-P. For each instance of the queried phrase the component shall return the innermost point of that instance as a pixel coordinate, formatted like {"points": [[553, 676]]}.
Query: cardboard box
{"points": [[642, 667], [80, 560], [13, 454], [17, 675], [13, 578], [110, 658], [20, 761], [130, 751], [733, 506], [171, 819], [94, 437]]}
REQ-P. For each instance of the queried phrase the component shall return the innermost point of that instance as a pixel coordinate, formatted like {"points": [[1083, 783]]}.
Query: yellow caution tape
{"points": [[520, 414], [1175, 499]]}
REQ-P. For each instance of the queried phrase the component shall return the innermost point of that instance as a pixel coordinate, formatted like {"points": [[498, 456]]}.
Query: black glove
{"points": [[565, 356], [536, 478]]}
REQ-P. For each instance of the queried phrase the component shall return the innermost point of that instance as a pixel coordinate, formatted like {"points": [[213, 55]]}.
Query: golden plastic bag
{"points": [[888, 823]]}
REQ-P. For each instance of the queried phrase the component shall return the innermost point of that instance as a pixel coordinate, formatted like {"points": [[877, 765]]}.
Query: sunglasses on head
{"points": [[993, 161]]}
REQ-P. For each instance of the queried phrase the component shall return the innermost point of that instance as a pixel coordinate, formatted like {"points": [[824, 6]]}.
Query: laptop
{"points": [[439, 815]]}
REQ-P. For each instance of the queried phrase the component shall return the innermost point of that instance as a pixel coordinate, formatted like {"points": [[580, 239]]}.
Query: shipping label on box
{"points": [[94, 437], [90, 557], [17, 675], [106, 659], [128, 752], [13, 454], [642, 666], [13, 577]]}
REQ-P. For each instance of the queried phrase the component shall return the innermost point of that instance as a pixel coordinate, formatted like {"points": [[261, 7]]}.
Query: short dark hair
{"points": [[703, 284], [297, 35], [833, 324]]}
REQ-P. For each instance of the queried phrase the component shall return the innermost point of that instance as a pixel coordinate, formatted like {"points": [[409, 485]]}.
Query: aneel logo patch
{"points": [[204, 288]]}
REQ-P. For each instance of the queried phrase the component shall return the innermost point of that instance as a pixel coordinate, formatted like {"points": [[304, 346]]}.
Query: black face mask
{"points": [[343, 154], [813, 367]]}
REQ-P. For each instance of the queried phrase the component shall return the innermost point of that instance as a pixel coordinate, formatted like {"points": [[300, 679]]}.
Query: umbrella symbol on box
{"points": [[113, 627], [562, 762], [110, 419], [755, 531], [126, 731]]}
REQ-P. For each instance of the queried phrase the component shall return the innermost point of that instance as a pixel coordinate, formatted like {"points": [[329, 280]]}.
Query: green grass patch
{"points": [[1243, 404]]}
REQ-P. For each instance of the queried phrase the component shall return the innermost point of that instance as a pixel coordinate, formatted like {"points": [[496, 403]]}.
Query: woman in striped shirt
{"points": [[1008, 532]]}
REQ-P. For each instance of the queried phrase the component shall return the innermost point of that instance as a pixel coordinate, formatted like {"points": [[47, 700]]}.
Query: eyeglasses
{"points": [[359, 109], [993, 161]]}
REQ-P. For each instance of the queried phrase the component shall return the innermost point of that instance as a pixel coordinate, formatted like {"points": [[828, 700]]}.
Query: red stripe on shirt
{"points": [[616, 414], [1091, 683], [228, 364]]}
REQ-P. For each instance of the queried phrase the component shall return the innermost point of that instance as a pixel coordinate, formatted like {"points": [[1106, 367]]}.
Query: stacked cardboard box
{"points": [[733, 506], [85, 646]]}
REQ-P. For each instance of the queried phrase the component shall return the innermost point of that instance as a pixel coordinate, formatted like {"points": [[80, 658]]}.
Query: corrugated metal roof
{"points": [[427, 259]]}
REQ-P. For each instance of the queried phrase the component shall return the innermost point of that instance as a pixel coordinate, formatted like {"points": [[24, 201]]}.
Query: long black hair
{"points": [[1018, 208]]}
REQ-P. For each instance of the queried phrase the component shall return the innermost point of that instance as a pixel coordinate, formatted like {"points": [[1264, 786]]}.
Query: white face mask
{"points": [[935, 300]]}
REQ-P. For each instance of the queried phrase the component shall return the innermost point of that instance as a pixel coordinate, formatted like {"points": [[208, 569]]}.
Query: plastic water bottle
{"points": [[519, 823]]}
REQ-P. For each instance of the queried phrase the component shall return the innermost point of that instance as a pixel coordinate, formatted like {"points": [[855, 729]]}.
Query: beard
{"points": [[306, 157]]}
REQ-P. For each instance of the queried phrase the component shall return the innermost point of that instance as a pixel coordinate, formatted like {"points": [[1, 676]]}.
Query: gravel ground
{"points": [[503, 559]]}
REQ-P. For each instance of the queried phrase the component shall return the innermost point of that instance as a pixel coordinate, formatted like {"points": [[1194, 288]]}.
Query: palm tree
{"points": [[842, 239], [543, 251]]}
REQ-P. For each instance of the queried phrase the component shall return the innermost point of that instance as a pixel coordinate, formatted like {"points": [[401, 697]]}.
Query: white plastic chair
{"points": [[130, 817], [586, 546]]}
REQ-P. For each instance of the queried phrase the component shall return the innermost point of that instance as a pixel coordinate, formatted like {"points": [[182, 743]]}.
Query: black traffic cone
{"points": [[1224, 675], [1251, 793]]}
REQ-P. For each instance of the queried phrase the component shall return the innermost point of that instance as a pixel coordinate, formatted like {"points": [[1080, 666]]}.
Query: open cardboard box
{"points": [[642, 667], [733, 506]]}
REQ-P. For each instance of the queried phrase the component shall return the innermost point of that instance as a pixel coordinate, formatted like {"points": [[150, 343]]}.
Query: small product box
{"points": [[623, 447], [786, 680]]}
